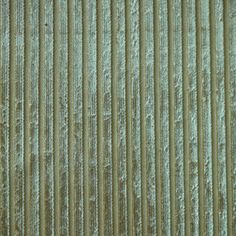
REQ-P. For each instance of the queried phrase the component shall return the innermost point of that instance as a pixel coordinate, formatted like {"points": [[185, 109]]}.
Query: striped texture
{"points": [[117, 117]]}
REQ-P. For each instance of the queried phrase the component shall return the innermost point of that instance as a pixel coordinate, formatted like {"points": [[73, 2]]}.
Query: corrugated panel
{"points": [[118, 117]]}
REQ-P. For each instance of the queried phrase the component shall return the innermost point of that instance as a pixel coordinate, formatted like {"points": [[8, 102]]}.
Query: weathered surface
{"points": [[117, 117]]}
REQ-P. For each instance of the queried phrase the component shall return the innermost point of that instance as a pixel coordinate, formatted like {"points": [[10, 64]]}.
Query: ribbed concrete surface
{"points": [[117, 117]]}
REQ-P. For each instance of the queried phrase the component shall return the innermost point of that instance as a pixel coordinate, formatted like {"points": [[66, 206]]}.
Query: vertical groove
{"points": [[27, 115], [114, 118], [11, 112], [214, 116], [143, 116], [191, 76], [186, 116], [157, 95], [171, 118], [128, 94], [199, 119], [85, 113], [100, 111], [228, 118], [71, 126], [41, 118]]}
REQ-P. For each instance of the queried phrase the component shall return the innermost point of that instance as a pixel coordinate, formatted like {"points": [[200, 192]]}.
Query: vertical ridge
{"points": [[206, 74], [164, 119], [107, 118], [178, 116], [135, 103], [92, 119], [121, 117], [199, 119], [78, 169], [56, 110], [85, 113], [12, 72], [100, 112], [214, 116], [114, 118], [186, 116], [157, 95], [171, 119], [143, 116], [64, 120], [128, 93], [49, 154], [149, 118]]}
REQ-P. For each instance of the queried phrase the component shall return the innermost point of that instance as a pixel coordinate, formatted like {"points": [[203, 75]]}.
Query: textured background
{"points": [[117, 117]]}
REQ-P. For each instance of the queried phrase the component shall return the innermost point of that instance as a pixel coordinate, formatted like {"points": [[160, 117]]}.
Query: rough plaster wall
{"points": [[117, 117]]}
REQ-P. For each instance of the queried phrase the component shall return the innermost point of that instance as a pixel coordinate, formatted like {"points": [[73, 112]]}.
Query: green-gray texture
{"points": [[117, 117]]}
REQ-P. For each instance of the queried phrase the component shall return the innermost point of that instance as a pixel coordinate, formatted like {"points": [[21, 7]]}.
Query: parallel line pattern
{"points": [[117, 117]]}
